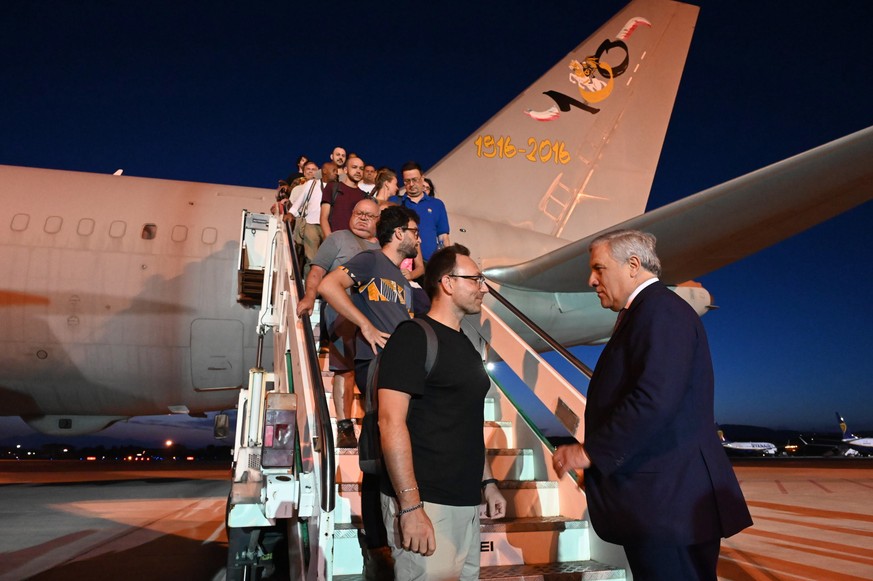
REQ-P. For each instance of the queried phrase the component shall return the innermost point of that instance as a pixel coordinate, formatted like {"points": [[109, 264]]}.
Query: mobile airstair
{"points": [[294, 507]]}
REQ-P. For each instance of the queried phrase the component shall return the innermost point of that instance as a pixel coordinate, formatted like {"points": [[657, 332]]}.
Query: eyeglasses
{"points": [[365, 215], [410, 229], [412, 180], [479, 278]]}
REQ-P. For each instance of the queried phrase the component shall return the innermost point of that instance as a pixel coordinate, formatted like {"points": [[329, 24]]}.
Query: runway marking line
{"points": [[858, 482], [822, 486], [806, 542], [790, 567], [828, 554], [815, 525], [811, 512]]}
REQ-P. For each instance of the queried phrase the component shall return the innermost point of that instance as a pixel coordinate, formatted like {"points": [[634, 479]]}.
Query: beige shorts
{"points": [[456, 531]]}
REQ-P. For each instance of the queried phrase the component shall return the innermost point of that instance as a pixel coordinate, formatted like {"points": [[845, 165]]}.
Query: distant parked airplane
{"points": [[746, 448], [854, 443]]}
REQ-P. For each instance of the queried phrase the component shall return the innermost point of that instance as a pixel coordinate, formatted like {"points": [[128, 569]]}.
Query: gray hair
{"points": [[626, 243]]}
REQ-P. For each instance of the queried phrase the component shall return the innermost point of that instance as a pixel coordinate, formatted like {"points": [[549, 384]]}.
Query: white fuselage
{"points": [[120, 293]]}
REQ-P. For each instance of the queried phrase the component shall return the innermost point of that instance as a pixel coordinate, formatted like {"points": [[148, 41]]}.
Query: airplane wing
{"points": [[720, 225]]}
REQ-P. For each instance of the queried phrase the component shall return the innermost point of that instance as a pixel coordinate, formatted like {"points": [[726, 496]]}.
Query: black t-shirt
{"points": [[446, 414]]}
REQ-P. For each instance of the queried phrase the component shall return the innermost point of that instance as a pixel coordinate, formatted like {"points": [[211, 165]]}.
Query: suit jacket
{"points": [[659, 473]]}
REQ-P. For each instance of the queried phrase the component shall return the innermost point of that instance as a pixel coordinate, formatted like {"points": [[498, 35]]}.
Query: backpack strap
{"points": [[433, 346], [369, 446]]}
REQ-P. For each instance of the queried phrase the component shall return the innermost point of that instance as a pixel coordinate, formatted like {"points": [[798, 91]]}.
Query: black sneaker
{"points": [[345, 434]]}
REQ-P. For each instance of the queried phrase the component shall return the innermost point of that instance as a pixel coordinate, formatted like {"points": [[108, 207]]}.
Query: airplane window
{"points": [[149, 231], [117, 229], [53, 224], [210, 235], [20, 222], [86, 227], [180, 233]]}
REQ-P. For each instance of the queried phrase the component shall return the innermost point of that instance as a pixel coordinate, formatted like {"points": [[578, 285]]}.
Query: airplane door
{"points": [[216, 354]]}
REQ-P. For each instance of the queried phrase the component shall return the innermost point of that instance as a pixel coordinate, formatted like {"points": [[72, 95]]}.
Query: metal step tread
{"points": [[509, 525], [552, 571], [531, 523], [488, 451], [571, 571], [503, 484]]}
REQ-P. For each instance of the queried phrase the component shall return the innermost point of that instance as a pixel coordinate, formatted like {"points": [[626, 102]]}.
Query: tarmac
{"points": [[813, 520], [84, 520]]}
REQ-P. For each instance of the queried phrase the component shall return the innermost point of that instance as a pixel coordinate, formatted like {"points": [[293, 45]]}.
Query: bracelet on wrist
{"points": [[409, 509], [405, 490], [488, 481]]}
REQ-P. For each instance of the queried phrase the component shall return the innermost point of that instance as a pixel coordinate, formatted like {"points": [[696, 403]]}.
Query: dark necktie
{"points": [[618, 319]]}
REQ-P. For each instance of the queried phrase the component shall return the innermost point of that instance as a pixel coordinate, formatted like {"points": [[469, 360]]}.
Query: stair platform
{"points": [[573, 571]]}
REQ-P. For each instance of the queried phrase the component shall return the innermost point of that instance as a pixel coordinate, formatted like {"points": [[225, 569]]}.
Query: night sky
{"points": [[227, 92]]}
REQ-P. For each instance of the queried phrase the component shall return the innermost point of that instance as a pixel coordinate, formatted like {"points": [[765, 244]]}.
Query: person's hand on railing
{"points": [[305, 306], [572, 457]]}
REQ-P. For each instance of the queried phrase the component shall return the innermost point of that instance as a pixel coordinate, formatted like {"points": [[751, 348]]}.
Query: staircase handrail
{"points": [[327, 466], [555, 392], [541, 333]]}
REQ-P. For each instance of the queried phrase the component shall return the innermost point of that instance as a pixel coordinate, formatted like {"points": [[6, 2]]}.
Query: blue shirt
{"points": [[434, 221]]}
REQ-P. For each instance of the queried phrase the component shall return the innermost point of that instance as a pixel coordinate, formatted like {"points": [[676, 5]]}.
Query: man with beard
{"points": [[381, 299], [340, 198], [431, 425]]}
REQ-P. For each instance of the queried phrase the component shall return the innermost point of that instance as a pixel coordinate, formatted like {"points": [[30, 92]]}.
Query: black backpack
{"points": [[369, 443]]}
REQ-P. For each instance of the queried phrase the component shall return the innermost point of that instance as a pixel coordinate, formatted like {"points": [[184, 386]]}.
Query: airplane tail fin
{"points": [[577, 151], [843, 427]]}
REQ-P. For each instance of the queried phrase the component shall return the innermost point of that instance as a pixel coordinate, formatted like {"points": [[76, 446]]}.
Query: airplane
{"points": [[855, 445], [815, 445], [746, 448], [119, 297]]}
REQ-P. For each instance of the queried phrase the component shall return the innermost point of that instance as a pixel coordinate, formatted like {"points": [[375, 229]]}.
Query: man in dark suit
{"points": [[656, 477]]}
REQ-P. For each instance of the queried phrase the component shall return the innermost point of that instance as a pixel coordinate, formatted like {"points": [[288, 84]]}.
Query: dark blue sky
{"points": [[231, 92]]}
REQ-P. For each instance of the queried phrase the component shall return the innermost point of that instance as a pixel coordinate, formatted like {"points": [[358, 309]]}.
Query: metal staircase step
{"points": [[499, 434], [348, 559], [538, 498], [534, 540], [506, 464], [572, 571], [578, 570], [348, 469], [511, 463], [507, 542]]}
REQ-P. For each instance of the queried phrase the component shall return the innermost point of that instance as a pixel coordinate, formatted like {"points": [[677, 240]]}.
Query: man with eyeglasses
{"points": [[433, 445], [381, 299], [337, 249], [434, 219]]}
